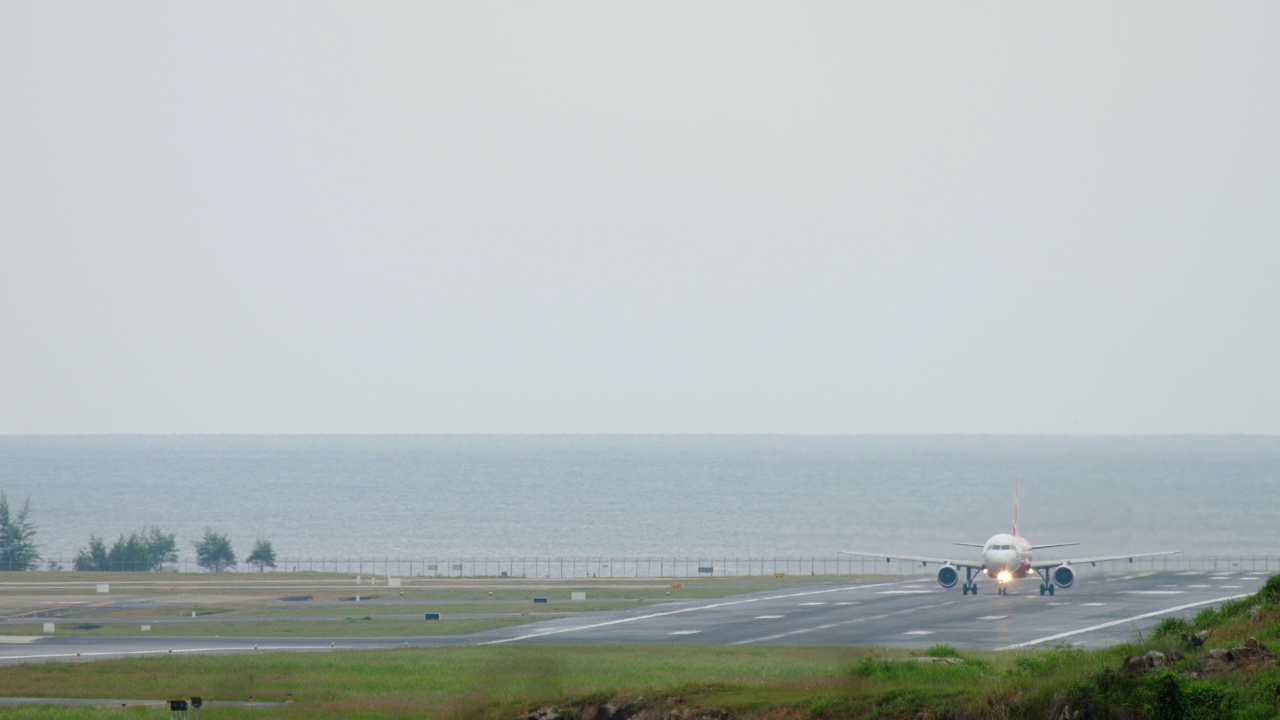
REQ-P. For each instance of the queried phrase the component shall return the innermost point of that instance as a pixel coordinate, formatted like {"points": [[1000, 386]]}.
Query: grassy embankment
{"points": [[694, 682]]}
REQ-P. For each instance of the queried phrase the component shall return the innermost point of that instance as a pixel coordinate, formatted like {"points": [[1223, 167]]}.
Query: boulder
{"points": [[1251, 655]]}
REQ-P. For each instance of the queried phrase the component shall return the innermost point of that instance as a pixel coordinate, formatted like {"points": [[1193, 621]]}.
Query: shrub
{"points": [[1170, 627], [1270, 592]]}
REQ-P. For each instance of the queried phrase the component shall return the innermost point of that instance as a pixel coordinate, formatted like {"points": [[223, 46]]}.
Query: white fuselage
{"points": [[1006, 558]]}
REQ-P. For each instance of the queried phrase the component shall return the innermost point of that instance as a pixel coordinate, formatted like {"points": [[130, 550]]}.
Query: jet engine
{"points": [[947, 576], [1064, 576]]}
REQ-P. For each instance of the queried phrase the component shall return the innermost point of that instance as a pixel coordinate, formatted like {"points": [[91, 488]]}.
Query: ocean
{"points": [[408, 496]]}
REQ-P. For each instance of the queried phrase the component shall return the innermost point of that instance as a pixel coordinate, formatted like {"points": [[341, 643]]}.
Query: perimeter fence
{"points": [[559, 568]]}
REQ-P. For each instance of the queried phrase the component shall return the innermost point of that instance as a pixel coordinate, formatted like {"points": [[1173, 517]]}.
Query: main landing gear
{"points": [[1047, 585], [969, 585]]}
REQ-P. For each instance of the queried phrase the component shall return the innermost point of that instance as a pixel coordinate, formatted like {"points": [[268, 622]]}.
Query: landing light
{"points": [[1004, 576]]}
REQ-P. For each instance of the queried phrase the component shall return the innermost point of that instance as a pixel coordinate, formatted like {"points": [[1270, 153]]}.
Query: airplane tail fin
{"points": [[1015, 507]]}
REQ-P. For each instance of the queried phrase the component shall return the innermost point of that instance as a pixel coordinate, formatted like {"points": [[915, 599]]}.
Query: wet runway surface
{"points": [[1098, 610]]}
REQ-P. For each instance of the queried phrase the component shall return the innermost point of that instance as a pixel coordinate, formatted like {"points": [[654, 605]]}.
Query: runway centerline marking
{"points": [[811, 604], [1122, 621], [770, 617], [686, 632], [1155, 592], [1092, 604], [993, 617], [918, 632], [668, 613]]}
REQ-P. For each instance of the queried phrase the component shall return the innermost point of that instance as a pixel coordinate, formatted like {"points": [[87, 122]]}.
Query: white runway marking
{"points": [[686, 632], [1192, 572], [1122, 621], [918, 632], [1230, 587], [993, 617], [770, 617], [177, 651], [650, 616], [1093, 604], [1199, 587], [907, 592], [811, 604], [1154, 592], [847, 602]]}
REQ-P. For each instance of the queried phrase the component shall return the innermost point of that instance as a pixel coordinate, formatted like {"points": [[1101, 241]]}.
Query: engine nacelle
{"points": [[948, 576], [1063, 576]]}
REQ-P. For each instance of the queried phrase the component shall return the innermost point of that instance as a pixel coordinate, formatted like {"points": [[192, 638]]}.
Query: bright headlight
{"points": [[1004, 576]]}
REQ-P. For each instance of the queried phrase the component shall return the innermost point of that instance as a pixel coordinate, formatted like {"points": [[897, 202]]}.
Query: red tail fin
{"points": [[1015, 507]]}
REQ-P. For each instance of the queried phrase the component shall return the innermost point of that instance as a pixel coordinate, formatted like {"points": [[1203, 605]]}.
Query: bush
{"points": [[1171, 627], [1270, 592]]}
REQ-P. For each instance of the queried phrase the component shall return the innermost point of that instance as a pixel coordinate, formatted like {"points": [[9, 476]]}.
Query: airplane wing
{"points": [[1104, 558], [1049, 545], [915, 558]]}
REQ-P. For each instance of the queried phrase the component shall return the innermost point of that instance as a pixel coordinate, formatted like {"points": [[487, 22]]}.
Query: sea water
{"points": [[649, 495]]}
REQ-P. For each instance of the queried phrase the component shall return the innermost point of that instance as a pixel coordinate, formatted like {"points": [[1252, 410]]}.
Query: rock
{"points": [[1135, 666], [1253, 644], [1249, 656], [545, 713], [1143, 664]]}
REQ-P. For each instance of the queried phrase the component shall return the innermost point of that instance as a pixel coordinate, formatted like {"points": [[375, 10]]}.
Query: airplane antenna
{"points": [[1015, 507]]}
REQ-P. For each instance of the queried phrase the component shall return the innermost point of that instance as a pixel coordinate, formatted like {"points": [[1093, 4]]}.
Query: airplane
{"points": [[1008, 558]]}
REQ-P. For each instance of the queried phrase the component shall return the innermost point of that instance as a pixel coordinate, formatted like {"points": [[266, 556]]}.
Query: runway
{"points": [[1099, 610]]}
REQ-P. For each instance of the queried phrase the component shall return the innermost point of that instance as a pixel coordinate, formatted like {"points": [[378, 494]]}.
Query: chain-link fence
{"points": [[668, 567]]}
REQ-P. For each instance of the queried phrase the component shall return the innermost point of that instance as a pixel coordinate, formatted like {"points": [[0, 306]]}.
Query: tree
{"points": [[17, 537], [146, 550], [214, 552], [93, 557], [263, 555]]}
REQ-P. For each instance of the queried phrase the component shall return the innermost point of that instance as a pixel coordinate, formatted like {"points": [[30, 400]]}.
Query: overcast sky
{"points": [[791, 217]]}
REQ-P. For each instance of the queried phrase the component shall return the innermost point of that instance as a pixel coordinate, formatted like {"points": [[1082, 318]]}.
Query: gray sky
{"points": [[892, 217]]}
